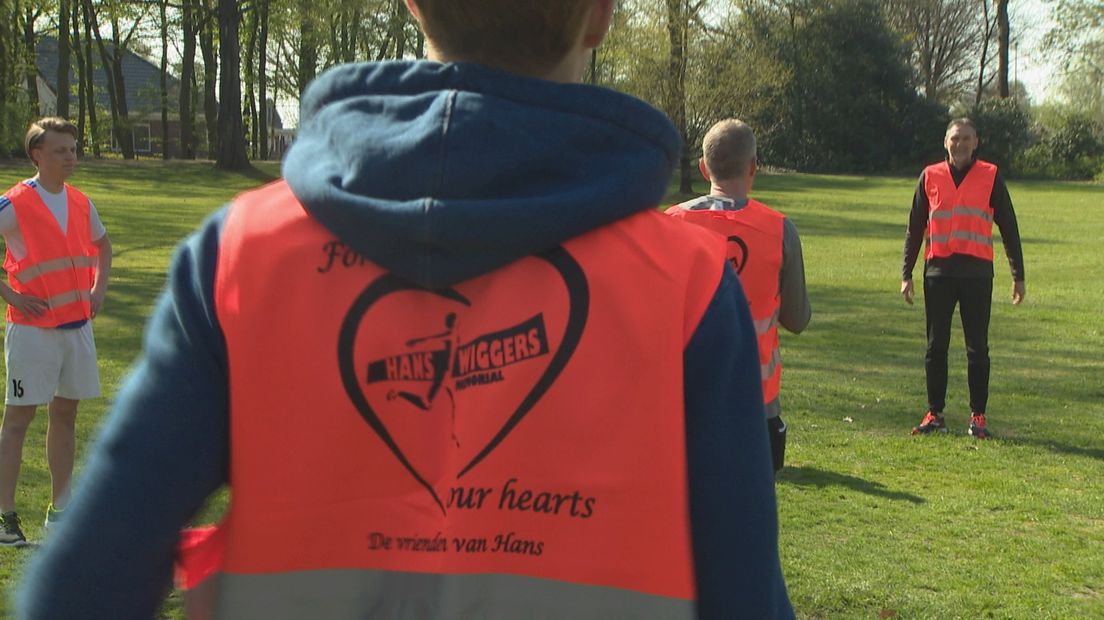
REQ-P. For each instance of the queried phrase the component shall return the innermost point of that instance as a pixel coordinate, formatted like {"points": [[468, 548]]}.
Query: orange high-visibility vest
{"points": [[508, 446], [59, 267], [754, 236], [960, 219]]}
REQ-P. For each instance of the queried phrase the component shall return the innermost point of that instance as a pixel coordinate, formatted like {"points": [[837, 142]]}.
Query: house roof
{"points": [[141, 78]]}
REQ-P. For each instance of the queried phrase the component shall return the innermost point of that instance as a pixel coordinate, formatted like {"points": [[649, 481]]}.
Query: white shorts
{"points": [[43, 363]]}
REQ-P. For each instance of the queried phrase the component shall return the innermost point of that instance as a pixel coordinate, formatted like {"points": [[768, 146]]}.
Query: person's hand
{"points": [[1018, 292], [906, 291], [29, 305], [97, 301]]}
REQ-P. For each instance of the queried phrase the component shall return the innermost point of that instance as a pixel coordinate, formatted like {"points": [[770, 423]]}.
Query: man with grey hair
{"points": [[955, 205], [764, 248]]}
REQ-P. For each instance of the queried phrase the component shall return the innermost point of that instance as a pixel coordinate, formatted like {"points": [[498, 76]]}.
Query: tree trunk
{"points": [[344, 35], [308, 48], [63, 59], [984, 51], [164, 79], [210, 77], [398, 25], [29, 18], [1002, 48], [249, 78], [187, 81], [677, 19], [124, 132], [90, 85], [116, 86], [231, 153], [7, 61], [262, 76], [75, 45]]}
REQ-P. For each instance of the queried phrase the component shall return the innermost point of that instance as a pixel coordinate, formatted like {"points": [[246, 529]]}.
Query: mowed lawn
{"points": [[874, 523]]}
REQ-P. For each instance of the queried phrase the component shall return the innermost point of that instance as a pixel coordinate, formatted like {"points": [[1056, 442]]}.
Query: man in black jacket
{"points": [[957, 201]]}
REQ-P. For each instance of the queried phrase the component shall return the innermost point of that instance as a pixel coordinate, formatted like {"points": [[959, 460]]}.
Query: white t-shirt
{"points": [[58, 204]]}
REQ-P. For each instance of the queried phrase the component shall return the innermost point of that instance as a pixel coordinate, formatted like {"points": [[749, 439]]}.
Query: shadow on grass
{"points": [[817, 183], [1059, 447], [812, 224], [813, 477]]}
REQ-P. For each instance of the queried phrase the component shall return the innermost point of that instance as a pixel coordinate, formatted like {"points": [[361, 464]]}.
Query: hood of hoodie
{"points": [[443, 172]]}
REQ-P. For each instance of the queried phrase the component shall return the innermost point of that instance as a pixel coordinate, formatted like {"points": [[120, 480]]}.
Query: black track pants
{"points": [[974, 297]]}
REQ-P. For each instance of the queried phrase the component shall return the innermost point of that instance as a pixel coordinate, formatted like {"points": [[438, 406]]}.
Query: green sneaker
{"points": [[52, 517], [10, 533]]}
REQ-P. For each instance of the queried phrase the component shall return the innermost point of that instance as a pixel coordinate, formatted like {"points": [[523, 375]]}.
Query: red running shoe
{"points": [[931, 422], [977, 426]]}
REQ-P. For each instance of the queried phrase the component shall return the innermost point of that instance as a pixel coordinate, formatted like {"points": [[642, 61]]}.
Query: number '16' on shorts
{"points": [[42, 363]]}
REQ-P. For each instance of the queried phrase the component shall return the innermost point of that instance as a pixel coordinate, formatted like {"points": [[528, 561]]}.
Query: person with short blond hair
{"points": [[37, 132], [728, 150], [454, 365], [765, 250], [58, 263]]}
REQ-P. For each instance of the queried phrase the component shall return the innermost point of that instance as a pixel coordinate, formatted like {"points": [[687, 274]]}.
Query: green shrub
{"points": [[1069, 147], [922, 130], [14, 119], [1004, 131]]}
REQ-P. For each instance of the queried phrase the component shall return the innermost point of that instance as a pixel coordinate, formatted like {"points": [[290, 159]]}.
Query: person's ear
{"points": [[704, 170], [413, 8], [753, 167], [597, 24]]}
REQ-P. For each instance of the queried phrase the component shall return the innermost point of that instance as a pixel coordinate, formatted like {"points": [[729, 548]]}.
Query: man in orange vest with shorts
{"points": [[58, 264], [454, 365], [764, 248], [956, 203]]}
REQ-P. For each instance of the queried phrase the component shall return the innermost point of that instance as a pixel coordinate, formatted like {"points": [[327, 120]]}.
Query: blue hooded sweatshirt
{"points": [[439, 173]]}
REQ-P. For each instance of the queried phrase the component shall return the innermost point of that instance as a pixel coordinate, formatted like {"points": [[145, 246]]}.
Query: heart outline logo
{"points": [[578, 292], [740, 260]]}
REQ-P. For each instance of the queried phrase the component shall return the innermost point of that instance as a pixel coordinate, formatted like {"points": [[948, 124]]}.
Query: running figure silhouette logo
{"points": [[437, 362], [442, 361]]}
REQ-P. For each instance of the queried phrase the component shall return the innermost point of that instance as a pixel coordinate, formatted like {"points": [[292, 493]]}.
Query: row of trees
{"points": [[830, 85], [857, 85], [234, 61]]}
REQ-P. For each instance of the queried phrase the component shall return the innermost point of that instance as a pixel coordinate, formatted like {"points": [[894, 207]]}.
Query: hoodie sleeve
{"points": [[733, 518], [161, 453]]}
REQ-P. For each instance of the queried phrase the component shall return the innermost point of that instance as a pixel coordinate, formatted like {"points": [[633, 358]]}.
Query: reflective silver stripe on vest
{"points": [[49, 266], [342, 594], [963, 210], [67, 298], [767, 370], [763, 326], [975, 237], [974, 212], [963, 236]]}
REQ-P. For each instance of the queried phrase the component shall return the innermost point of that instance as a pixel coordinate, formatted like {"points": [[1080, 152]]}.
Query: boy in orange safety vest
{"points": [[765, 250], [58, 263], [454, 365]]}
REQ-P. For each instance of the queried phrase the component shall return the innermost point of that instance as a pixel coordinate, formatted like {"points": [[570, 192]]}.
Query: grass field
{"points": [[874, 523]]}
